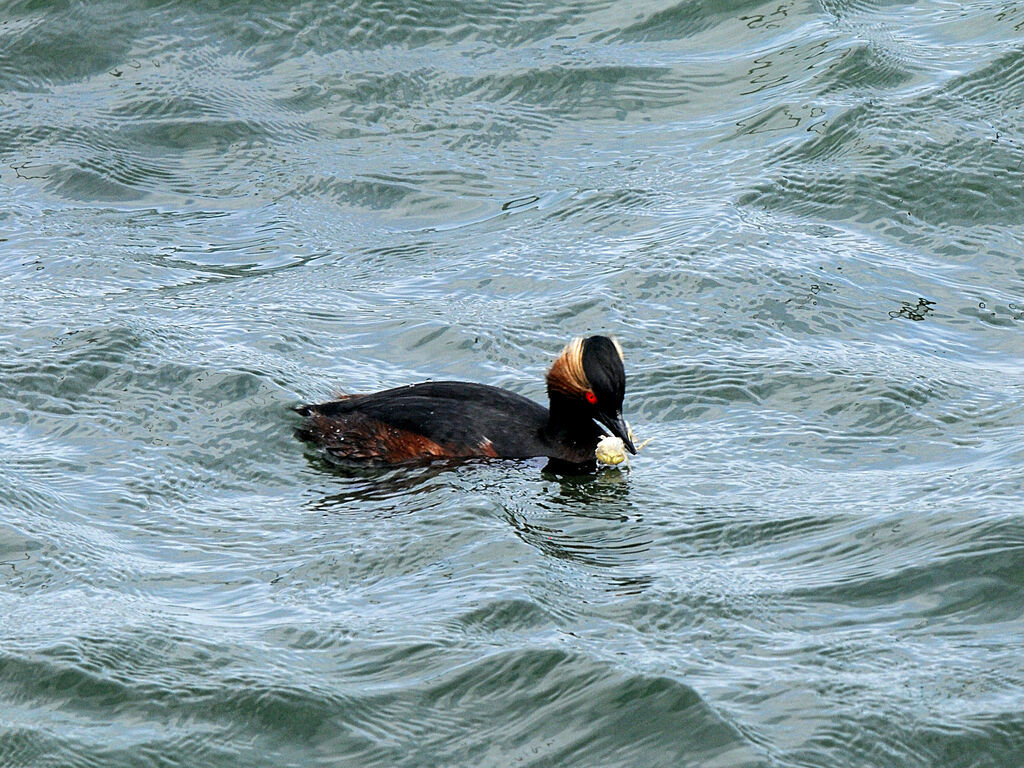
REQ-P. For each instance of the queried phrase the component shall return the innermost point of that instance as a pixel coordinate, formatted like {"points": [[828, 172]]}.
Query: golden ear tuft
{"points": [[566, 374]]}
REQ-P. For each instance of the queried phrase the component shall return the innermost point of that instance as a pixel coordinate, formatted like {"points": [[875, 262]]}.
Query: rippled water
{"points": [[804, 221]]}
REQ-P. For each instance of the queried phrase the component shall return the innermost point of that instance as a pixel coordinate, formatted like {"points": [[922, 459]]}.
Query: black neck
{"points": [[570, 424]]}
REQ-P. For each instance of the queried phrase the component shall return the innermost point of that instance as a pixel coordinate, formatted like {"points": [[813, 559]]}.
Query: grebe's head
{"points": [[589, 371]]}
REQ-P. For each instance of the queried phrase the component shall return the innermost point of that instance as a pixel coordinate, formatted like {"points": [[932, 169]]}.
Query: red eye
{"points": [[591, 397]]}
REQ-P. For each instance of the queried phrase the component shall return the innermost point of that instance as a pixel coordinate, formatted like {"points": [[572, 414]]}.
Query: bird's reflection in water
{"points": [[362, 484], [585, 519], [601, 494]]}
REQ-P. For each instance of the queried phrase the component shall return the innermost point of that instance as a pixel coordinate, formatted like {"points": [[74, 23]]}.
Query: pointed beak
{"points": [[617, 425]]}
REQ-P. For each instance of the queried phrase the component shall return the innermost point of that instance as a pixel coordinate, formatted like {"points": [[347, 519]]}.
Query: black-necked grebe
{"points": [[455, 419]]}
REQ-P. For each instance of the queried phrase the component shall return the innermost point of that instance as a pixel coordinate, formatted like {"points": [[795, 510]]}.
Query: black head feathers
{"points": [[602, 364], [590, 369]]}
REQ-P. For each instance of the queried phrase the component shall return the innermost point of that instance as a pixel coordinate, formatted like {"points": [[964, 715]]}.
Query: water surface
{"points": [[803, 220]]}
